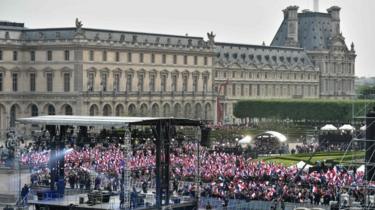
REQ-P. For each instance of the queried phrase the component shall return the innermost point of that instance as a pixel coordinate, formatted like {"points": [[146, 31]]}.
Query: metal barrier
{"points": [[252, 205]]}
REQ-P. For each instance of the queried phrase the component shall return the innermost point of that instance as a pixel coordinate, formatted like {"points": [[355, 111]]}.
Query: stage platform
{"points": [[73, 202]]}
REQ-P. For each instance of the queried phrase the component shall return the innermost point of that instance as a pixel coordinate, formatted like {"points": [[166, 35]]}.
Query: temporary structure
{"points": [[328, 127], [347, 127]]}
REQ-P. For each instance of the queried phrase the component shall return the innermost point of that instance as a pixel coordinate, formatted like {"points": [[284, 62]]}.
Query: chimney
{"points": [[291, 17], [334, 11], [316, 5]]}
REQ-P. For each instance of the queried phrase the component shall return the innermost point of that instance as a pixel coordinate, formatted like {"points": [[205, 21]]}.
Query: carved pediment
{"points": [[252, 66], [235, 65], [282, 67], [267, 66]]}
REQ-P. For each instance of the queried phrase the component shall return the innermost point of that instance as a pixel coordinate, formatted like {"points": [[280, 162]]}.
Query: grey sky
{"points": [[238, 21]]}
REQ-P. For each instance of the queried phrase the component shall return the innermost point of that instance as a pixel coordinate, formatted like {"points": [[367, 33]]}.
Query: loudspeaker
{"points": [[205, 136], [370, 145]]}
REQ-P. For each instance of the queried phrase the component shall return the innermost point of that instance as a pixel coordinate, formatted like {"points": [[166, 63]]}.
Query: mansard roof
{"points": [[228, 54], [314, 31], [111, 35]]}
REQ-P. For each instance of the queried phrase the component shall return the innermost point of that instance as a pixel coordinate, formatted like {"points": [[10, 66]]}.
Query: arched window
{"points": [[144, 110], [155, 110], [187, 110], [131, 110], [166, 110], [177, 110], [13, 116], [198, 111], [207, 112], [107, 110], [51, 110], [34, 110], [120, 110], [68, 110], [94, 110]]}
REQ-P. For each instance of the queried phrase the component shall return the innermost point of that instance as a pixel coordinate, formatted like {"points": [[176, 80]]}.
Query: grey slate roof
{"points": [[111, 35], [314, 31], [261, 55]]}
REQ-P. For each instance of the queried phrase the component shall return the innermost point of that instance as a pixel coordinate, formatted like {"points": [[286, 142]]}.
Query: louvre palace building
{"points": [[85, 71]]}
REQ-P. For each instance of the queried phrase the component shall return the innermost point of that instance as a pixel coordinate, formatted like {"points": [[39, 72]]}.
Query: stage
{"points": [[73, 202]]}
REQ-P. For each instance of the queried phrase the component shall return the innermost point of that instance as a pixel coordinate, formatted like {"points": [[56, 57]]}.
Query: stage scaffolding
{"points": [[162, 129]]}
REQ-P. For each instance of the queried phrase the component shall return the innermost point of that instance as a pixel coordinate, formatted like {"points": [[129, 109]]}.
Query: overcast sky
{"points": [[237, 21]]}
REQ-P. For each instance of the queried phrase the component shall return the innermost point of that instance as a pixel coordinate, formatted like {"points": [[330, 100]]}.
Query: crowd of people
{"points": [[224, 175]]}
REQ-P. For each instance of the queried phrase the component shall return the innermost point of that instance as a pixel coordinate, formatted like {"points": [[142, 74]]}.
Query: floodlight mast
{"points": [[126, 167]]}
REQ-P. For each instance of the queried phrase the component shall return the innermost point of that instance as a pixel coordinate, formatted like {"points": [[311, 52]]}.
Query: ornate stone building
{"points": [[85, 71], [319, 34], [308, 58]]}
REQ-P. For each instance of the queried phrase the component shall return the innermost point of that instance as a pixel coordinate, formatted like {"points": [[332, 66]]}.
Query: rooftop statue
{"points": [[78, 24]]}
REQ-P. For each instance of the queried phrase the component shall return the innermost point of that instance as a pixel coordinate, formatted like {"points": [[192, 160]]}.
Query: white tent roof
{"points": [[279, 136], [301, 164], [361, 168], [328, 127], [86, 120], [245, 140], [347, 127], [363, 128]]}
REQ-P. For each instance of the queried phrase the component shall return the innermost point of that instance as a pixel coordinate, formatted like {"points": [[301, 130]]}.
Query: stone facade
{"points": [[85, 71], [319, 34], [100, 72]]}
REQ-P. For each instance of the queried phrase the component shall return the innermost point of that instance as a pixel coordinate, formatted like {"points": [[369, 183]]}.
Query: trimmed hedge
{"points": [[309, 110]]}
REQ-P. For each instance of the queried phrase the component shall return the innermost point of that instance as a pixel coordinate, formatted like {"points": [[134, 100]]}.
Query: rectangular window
{"points": [[184, 83], [49, 82], [233, 74], [91, 82], [185, 59], [91, 55], [49, 55], [116, 83], [195, 60], [103, 83], [242, 90], [152, 58], [163, 82], [234, 90], [152, 82], [174, 59], [66, 82], [32, 82], [205, 83], [205, 60], [67, 55], [15, 55], [1, 82], [258, 90], [117, 56], [164, 59], [1, 55], [140, 82], [250, 90], [32, 55], [129, 83], [104, 56], [174, 83], [15, 82], [195, 83], [129, 57], [141, 57]]}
